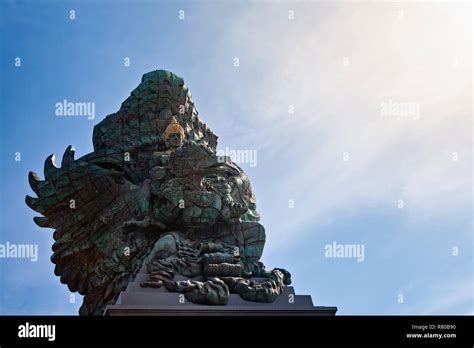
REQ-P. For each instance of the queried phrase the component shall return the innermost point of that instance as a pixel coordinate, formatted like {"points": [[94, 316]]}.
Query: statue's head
{"points": [[174, 135]]}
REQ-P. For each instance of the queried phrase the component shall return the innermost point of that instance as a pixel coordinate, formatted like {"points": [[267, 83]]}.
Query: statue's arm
{"points": [[146, 222]]}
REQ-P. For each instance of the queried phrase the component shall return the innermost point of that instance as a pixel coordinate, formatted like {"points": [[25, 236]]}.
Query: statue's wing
{"points": [[87, 205]]}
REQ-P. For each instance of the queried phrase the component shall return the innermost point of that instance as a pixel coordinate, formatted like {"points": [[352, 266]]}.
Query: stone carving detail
{"points": [[153, 192]]}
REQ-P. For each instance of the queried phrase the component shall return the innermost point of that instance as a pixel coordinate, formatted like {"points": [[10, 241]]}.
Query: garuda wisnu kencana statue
{"points": [[154, 194]]}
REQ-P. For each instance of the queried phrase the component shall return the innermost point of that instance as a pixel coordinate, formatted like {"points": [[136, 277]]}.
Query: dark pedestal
{"points": [[136, 300]]}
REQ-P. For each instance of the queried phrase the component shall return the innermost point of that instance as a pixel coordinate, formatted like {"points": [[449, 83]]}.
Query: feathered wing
{"points": [[87, 205]]}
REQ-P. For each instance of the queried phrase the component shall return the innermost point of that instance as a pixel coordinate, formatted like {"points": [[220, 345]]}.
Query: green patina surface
{"points": [[154, 193]]}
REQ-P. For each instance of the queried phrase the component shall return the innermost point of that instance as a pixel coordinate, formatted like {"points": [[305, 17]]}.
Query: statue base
{"points": [[145, 301]]}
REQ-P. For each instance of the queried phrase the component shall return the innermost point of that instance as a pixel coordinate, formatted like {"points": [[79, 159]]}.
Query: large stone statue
{"points": [[154, 194]]}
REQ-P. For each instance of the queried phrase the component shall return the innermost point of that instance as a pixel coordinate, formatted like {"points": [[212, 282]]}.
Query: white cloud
{"points": [[442, 299], [422, 58]]}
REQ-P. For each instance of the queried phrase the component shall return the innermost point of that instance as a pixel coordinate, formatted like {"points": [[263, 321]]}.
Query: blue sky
{"points": [[342, 161]]}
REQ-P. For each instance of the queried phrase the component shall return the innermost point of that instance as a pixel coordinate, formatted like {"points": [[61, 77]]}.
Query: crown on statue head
{"points": [[173, 128]]}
